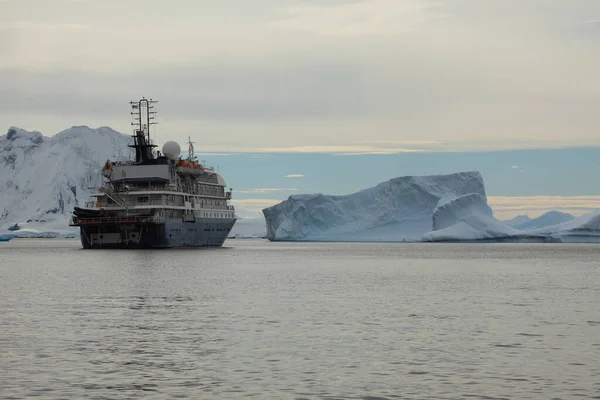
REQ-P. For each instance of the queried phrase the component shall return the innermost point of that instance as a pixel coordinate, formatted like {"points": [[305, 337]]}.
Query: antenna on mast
{"points": [[143, 117], [191, 155]]}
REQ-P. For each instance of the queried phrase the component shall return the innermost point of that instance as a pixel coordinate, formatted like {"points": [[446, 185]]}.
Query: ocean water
{"points": [[300, 321]]}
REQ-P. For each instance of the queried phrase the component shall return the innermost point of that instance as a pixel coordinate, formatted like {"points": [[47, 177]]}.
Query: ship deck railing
{"points": [[123, 220], [140, 188], [133, 191], [153, 188], [94, 204]]}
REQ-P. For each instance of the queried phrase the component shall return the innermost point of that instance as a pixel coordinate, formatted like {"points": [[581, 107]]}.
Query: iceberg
{"points": [[398, 210], [450, 211], [469, 224], [467, 218], [437, 208], [548, 219], [585, 228]]}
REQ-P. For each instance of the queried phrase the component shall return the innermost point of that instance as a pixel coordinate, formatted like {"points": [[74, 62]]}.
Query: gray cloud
{"points": [[458, 73], [224, 93]]}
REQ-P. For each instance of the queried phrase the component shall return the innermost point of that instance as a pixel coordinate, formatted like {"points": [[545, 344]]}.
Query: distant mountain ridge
{"points": [[518, 220], [548, 219]]}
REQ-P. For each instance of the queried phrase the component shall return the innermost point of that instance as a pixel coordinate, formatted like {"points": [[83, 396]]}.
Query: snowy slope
{"points": [[397, 210], [43, 178], [548, 219]]}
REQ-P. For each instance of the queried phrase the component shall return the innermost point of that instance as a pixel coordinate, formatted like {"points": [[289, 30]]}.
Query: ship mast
{"points": [[191, 155], [143, 117]]}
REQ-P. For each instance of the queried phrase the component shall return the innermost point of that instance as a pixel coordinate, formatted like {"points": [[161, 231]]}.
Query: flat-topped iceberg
{"points": [[400, 209], [438, 208]]}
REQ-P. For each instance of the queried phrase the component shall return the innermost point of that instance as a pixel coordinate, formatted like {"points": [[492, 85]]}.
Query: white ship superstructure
{"points": [[156, 200]]}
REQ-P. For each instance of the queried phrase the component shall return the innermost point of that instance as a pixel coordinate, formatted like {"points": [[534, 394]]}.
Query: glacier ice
{"points": [[43, 178], [473, 225], [397, 210], [467, 217], [548, 219], [438, 208], [450, 211], [585, 228]]}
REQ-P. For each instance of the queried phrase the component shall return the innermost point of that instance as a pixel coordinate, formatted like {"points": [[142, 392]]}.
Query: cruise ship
{"points": [[157, 200]]}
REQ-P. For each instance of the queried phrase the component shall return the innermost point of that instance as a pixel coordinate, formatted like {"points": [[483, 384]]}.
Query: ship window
{"points": [[142, 199]]}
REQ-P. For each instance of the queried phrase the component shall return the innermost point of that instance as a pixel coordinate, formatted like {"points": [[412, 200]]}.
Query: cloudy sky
{"points": [[311, 76]]}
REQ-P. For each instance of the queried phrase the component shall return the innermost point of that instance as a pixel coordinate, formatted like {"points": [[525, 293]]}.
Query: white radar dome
{"points": [[171, 149]]}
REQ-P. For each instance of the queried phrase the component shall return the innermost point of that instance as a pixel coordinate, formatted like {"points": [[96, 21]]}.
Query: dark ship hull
{"points": [[137, 233]]}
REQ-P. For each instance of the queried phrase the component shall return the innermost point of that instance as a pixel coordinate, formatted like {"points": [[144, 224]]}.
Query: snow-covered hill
{"points": [[397, 210], [43, 178]]}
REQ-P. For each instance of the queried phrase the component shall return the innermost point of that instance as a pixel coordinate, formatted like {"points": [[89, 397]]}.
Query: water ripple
{"points": [[303, 321]]}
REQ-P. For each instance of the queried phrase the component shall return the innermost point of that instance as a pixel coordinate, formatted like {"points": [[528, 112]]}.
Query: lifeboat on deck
{"points": [[189, 167]]}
